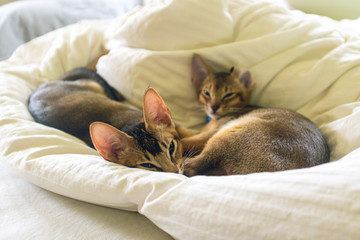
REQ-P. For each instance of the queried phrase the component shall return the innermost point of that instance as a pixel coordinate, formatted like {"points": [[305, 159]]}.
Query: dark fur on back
{"points": [[83, 104], [86, 73], [78, 98]]}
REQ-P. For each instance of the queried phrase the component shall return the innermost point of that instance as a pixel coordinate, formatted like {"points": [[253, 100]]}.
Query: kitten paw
{"points": [[189, 170]]}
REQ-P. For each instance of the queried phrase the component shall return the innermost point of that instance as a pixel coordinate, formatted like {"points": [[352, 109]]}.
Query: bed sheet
{"points": [[30, 212], [303, 62]]}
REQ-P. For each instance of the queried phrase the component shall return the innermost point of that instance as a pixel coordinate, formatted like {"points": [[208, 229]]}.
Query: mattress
{"points": [[306, 63]]}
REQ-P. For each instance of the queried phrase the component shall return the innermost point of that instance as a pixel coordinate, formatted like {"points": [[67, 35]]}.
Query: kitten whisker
{"points": [[243, 146], [190, 153]]}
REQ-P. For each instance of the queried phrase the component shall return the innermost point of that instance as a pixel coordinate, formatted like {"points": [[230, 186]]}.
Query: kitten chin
{"points": [[243, 139], [120, 133]]}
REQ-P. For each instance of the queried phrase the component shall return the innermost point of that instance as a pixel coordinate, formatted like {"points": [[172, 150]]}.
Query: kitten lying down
{"points": [[239, 139], [243, 139], [81, 98]]}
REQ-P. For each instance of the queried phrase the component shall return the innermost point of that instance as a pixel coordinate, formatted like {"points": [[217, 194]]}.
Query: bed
{"points": [[304, 62]]}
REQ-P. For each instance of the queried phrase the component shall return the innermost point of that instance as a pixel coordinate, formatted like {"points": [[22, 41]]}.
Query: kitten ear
{"points": [[108, 141], [244, 77], [155, 111], [199, 70]]}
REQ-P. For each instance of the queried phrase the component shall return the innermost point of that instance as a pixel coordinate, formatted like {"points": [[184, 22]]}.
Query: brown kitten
{"points": [[82, 98], [242, 139]]}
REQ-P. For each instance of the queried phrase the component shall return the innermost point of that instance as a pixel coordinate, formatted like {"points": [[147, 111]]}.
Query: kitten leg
{"points": [[203, 164], [195, 144], [211, 160], [184, 132]]}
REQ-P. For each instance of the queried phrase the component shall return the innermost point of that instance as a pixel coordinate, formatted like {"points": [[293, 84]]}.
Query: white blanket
{"points": [[29, 212], [302, 62]]}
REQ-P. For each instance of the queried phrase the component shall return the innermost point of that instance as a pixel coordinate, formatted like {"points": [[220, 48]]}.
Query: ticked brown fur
{"points": [[242, 139], [81, 99]]}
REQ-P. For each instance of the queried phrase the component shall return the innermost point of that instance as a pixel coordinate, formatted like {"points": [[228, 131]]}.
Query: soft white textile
{"points": [[345, 9], [302, 62], [21, 21], [29, 212]]}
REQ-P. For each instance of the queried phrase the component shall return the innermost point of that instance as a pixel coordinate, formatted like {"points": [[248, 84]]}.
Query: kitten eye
{"points": [[229, 95], [148, 165], [171, 148], [206, 93]]}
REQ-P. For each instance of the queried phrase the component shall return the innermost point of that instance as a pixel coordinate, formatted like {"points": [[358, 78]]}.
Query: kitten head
{"points": [[152, 144], [220, 93]]}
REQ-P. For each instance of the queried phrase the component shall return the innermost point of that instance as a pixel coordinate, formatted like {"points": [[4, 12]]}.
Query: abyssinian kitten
{"points": [[82, 99], [243, 139]]}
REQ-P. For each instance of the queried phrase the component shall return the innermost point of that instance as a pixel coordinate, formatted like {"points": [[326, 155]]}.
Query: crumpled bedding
{"points": [[21, 21], [29, 212], [307, 63]]}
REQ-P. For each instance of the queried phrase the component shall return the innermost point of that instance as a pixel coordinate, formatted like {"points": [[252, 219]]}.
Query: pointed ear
{"points": [[155, 111], [243, 76], [199, 70], [108, 141]]}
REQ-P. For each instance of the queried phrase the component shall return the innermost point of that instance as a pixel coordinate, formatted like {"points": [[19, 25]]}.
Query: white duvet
{"points": [[302, 62]]}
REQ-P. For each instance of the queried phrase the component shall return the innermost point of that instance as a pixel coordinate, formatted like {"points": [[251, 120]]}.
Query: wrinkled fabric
{"points": [[302, 62]]}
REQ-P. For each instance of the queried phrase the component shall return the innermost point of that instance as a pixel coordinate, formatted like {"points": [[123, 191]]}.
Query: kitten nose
{"points": [[214, 108]]}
